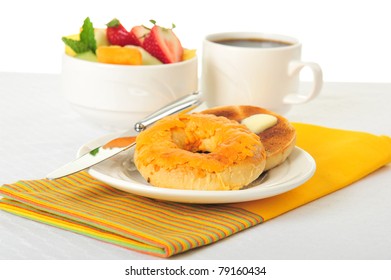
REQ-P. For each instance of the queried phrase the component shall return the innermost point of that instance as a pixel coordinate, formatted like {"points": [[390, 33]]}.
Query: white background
{"points": [[351, 40]]}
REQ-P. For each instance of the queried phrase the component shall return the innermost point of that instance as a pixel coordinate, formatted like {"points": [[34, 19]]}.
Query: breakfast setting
{"points": [[146, 147]]}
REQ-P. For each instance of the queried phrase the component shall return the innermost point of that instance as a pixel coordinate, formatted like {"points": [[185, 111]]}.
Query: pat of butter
{"points": [[259, 122]]}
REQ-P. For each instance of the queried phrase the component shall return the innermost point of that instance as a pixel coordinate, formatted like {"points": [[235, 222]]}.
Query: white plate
{"points": [[117, 172]]}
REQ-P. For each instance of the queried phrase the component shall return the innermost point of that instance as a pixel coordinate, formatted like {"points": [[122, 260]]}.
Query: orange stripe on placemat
{"points": [[82, 204]]}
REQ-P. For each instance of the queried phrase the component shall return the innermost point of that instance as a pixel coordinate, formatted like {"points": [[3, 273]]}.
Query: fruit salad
{"points": [[114, 44]]}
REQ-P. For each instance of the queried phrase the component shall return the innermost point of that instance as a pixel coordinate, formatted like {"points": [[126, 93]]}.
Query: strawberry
{"points": [[138, 33], [163, 44], [118, 35]]}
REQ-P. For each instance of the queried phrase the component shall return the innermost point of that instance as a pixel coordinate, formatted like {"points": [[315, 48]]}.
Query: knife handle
{"points": [[187, 102]]}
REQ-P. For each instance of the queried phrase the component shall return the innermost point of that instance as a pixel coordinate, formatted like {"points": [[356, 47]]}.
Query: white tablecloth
{"points": [[39, 132]]}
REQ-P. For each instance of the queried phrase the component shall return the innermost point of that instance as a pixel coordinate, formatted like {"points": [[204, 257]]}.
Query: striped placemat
{"points": [[84, 205]]}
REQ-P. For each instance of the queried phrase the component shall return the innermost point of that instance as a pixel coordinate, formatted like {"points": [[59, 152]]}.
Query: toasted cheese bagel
{"points": [[278, 140], [199, 152]]}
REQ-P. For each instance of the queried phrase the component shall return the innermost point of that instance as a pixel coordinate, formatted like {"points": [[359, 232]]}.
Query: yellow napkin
{"points": [[81, 204], [342, 157]]}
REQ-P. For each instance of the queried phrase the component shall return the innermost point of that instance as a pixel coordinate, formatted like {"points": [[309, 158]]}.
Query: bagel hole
{"points": [[192, 142]]}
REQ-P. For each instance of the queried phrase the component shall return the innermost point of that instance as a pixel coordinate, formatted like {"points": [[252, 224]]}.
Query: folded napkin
{"points": [[81, 204]]}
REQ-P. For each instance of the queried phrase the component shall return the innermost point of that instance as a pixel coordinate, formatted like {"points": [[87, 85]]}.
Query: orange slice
{"points": [[119, 55]]}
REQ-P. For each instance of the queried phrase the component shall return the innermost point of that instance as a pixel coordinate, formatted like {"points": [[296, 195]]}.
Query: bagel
{"points": [[199, 152], [278, 140]]}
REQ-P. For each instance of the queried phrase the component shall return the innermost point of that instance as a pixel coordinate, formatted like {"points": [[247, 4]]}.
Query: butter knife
{"points": [[115, 146]]}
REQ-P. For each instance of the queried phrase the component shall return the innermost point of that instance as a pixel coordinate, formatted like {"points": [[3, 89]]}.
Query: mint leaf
{"points": [[87, 40], [75, 45], [87, 35]]}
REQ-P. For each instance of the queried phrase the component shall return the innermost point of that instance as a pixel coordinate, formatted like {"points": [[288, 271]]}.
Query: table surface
{"points": [[39, 131]]}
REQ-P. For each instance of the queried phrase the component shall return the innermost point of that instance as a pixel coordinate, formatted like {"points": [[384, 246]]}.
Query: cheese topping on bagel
{"points": [[199, 152]]}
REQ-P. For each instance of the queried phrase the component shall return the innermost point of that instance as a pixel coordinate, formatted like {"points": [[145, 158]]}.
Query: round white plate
{"points": [[120, 173]]}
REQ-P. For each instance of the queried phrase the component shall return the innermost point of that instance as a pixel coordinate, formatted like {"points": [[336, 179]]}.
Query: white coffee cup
{"points": [[266, 76]]}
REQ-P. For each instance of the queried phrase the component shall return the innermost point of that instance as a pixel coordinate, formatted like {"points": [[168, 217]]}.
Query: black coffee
{"points": [[253, 43]]}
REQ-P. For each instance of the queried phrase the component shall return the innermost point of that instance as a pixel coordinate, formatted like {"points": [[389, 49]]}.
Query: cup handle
{"points": [[294, 68]]}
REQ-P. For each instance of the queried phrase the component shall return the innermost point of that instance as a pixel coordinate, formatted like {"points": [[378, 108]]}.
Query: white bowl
{"points": [[115, 97]]}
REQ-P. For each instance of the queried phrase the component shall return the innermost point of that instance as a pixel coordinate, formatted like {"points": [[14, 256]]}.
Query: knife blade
{"points": [[116, 146]]}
